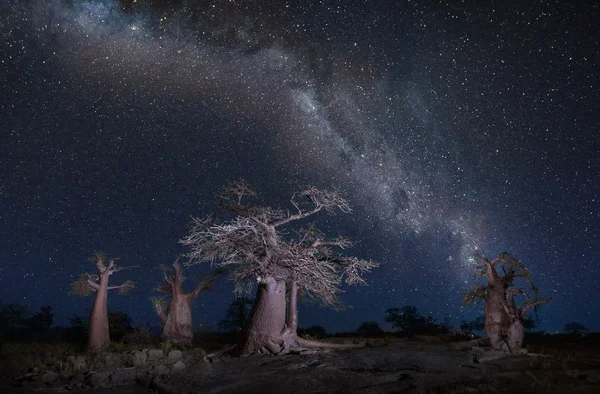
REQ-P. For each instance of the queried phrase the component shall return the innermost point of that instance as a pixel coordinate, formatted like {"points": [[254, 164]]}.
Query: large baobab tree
{"points": [[498, 295], [252, 247], [177, 321], [98, 329]]}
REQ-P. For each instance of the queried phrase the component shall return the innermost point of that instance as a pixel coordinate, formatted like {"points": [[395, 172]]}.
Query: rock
{"points": [[159, 369], [592, 376], [200, 369], [111, 359], [138, 359], [179, 366], [123, 376], [77, 380], [492, 355], [144, 379], [197, 353], [174, 355], [99, 379], [154, 354], [36, 385], [49, 377]]}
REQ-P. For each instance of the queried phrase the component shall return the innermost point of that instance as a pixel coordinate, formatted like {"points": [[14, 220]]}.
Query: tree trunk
{"points": [[292, 319], [496, 319], [515, 335], [178, 328], [265, 333], [98, 333]]}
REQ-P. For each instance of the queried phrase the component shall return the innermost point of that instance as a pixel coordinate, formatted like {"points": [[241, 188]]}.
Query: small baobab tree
{"points": [[177, 321], [495, 295], [98, 329], [253, 248], [318, 273], [515, 333]]}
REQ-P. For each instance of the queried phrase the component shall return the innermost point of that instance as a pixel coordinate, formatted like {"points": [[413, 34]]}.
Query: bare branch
{"points": [[160, 305], [84, 286], [204, 284], [252, 245], [476, 295], [238, 189], [124, 288], [532, 305], [319, 199]]}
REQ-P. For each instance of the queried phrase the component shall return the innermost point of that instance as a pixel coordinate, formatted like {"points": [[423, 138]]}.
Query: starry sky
{"points": [[449, 126]]}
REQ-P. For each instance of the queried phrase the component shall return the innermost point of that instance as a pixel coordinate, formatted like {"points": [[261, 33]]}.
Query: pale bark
{"points": [[496, 319], [178, 328], [503, 319], [515, 335], [98, 329], [249, 247], [292, 319], [177, 323], [265, 333]]}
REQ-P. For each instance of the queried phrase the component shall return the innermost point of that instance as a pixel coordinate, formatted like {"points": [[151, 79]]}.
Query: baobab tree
{"points": [[495, 295], [98, 329], [515, 334], [252, 248], [177, 321]]}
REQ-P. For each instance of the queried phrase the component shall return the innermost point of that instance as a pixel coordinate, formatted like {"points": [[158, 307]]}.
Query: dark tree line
{"points": [[17, 323], [408, 321]]}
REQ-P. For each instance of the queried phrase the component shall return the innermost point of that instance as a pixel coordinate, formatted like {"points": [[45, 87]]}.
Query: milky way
{"points": [[427, 126]]}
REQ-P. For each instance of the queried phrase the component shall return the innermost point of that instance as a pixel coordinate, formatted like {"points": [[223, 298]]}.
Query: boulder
{"points": [[160, 369], [137, 358], [174, 355], [49, 377], [179, 366], [77, 380], [144, 379], [155, 354], [123, 376], [99, 379]]}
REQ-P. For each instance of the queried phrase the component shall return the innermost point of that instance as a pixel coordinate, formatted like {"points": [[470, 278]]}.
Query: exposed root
{"points": [[317, 344]]}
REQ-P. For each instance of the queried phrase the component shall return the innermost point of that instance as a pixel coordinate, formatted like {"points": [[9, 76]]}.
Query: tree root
{"points": [[316, 344]]}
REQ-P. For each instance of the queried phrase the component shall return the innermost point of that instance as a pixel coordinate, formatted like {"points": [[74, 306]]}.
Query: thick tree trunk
{"points": [[496, 319], [265, 333], [98, 333], [178, 328], [515, 335]]}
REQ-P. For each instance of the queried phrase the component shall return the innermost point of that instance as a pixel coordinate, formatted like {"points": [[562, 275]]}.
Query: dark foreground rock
{"points": [[406, 367]]}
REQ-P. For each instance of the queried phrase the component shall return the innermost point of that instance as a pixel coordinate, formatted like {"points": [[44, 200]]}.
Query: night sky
{"points": [[450, 128]]}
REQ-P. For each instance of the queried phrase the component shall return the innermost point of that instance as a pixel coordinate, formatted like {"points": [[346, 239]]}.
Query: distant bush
{"points": [[312, 332], [369, 327], [407, 321]]}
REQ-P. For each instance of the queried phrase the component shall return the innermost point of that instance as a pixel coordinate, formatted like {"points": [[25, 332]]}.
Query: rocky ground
{"points": [[399, 367]]}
